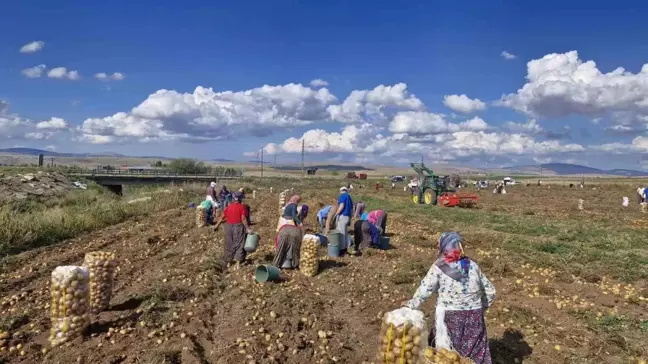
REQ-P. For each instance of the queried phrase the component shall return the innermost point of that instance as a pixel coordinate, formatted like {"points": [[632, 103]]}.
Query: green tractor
{"points": [[429, 187]]}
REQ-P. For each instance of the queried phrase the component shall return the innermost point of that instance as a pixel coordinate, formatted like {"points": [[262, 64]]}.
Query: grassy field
{"points": [[572, 284]]}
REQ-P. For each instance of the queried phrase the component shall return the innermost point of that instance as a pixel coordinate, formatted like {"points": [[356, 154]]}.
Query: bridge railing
{"points": [[154, 172]]}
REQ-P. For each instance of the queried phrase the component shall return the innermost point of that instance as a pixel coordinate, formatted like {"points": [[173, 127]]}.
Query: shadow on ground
{"points": [[510, 348]]}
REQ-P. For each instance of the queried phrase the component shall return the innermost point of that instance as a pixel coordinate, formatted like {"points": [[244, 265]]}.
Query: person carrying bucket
{"points": [[236, 228], [464, 295], [365, 235], [343, 213]]}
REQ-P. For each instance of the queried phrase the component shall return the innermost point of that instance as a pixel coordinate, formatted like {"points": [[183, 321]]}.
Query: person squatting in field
{"points": [[378, 218], [288, 241], [322, 216], [365, 235], [464, 295], [211, 195], [236, 228]]}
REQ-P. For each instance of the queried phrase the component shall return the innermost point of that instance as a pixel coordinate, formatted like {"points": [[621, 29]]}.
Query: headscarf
{"points": [[365, 216], [295, 199], [302, 210], [451, 259], [237, 196], [212, 185]]}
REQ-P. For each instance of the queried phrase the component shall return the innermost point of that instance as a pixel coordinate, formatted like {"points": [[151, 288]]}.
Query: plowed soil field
{"points": [[571, 285]]}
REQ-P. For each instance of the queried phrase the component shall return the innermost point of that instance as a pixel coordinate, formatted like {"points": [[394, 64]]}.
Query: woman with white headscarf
{"points": [[464, 294], [211, 195]]}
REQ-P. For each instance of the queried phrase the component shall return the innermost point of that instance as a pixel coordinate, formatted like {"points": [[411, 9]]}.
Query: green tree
{"points": [[187, 166], [158, 164]]}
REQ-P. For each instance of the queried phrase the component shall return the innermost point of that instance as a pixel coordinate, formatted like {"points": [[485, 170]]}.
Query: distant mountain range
{"points": [[572, 169], [47, 153], [330, 167]]}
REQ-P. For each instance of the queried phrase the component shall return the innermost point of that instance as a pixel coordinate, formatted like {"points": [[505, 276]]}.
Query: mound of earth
{"points": [[32, 185]]}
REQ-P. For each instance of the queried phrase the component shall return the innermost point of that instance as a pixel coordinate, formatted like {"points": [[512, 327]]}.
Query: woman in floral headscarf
{"points": [[464, 295]]}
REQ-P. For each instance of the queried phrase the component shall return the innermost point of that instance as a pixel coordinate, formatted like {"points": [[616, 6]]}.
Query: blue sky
{"points": [[436, 49]]}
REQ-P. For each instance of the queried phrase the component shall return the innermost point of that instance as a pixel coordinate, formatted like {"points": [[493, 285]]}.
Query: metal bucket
{"points": [[334, 242]]}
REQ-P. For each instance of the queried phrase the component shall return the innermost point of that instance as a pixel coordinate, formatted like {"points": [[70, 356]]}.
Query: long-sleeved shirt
{"points": [[323, 213], [290, 212], [375, 215], [471, 294]]}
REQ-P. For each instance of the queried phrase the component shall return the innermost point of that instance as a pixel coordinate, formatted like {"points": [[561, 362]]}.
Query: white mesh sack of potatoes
{"points": [[69, 311], [101, 267], [403, 336], [201, 216], [309, 256]]}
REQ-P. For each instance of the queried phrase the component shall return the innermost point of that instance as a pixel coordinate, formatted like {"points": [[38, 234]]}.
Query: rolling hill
{"points": [[572, 169]]}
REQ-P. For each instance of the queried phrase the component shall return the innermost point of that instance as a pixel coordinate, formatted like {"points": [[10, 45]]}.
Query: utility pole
{"points": [[261, 162], [302, 160], [421, 159], [275, 161]]}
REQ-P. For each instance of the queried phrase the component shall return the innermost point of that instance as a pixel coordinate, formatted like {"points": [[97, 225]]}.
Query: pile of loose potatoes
{"points": [[101, 267], [400, 344], [69, 312], [201, 216], [309, 259], [444, 356]]}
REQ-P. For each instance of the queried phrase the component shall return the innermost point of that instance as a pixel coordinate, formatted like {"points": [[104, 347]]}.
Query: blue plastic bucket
{"points": [[266, 273], [251, 242], [334, 242]]}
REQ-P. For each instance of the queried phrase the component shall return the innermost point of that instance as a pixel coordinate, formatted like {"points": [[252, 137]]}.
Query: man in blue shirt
{"points": [[344, 213]]}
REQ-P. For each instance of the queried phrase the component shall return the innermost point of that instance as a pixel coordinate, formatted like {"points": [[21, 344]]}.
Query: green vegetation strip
{"points": [[583, 249], [31, 224]]}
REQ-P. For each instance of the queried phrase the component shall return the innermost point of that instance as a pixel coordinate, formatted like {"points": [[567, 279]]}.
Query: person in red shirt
{"points": [[236, 228]]}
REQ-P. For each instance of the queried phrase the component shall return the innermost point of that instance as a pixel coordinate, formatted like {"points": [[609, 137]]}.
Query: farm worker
{"points": [[288, 245], [330, 221], [641, 194], [358, 210], [322, 216], [365, 234], [236, 227], [379, 219], [211, 195], [224, 196], [343, 213], [377, 186], [393, 185], [291, 213], [464, 294]]}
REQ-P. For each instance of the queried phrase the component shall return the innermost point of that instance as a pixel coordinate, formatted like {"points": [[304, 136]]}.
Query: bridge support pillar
{"points": [[117, 189]]}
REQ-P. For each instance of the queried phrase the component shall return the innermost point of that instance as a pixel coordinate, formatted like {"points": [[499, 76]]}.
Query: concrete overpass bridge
{"points": [[114, 180]]}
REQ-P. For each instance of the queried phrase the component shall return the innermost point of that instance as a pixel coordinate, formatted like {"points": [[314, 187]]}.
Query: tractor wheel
{"points": [[415, 198], [430, 197]]}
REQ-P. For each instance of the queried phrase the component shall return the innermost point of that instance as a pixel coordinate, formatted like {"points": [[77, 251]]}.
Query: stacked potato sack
{"points": [[403, 336], [70, 295], [101, 266], [309, 259], [201, 216], [433, 356]]}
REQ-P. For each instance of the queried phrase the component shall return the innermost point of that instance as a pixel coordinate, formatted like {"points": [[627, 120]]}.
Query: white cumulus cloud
{"points": [[53, 123], [34, 72], [206, 114], [508, 56], [530, 127], [463, 104], [561, 84], [63, 73], [375, 106], [32, 47], [117, 76], [318, 82]]}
